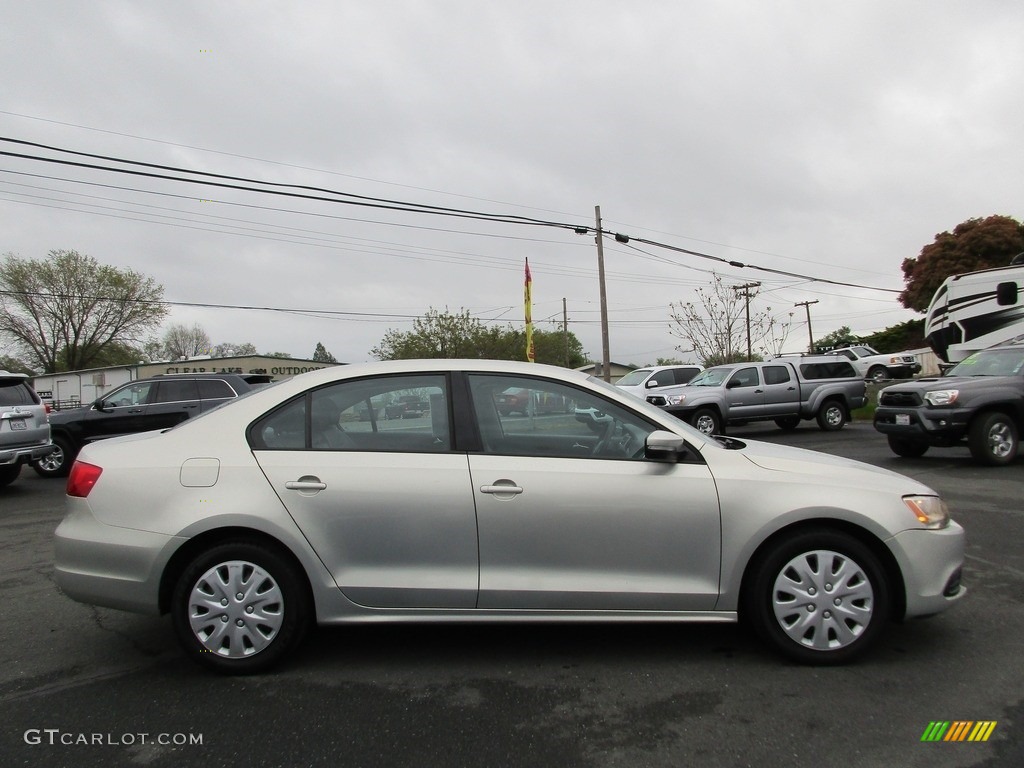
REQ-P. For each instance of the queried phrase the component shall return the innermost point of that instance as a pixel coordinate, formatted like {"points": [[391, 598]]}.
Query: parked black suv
{"points": [[980, 401], [139, 406]]}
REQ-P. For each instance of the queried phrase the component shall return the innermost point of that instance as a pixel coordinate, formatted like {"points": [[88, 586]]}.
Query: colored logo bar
{"points": [[959, 730]]}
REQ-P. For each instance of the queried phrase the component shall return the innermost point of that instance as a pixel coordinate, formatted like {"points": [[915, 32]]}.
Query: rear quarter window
{"points": [[840, 369]]}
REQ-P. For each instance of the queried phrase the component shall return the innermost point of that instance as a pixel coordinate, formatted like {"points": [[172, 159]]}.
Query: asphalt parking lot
{"points": [[86, 686]]}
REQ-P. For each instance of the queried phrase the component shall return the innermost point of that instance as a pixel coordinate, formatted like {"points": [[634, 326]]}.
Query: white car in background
{"points": [[876, 366], [652, 378]]}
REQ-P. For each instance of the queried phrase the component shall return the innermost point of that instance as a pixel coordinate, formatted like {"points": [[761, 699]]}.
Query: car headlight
{"points": [[675, 399], [930, 511], [942, 396]]}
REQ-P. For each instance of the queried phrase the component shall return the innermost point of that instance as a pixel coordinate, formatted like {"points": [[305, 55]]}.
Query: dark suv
{"points": [[140, 406], [24, 431], [980, 401]]}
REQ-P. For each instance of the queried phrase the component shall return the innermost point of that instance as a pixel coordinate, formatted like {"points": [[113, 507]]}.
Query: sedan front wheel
{"points": [[819, 597], [240, 608]]}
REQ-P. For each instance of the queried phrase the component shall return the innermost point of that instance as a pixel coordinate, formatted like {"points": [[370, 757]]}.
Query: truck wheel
{"points": [[707, 421], [787, 423], [908, 449], [878, 373], [58, 463], [832, 416], [819, 597], [9, 473], [992, 438]]}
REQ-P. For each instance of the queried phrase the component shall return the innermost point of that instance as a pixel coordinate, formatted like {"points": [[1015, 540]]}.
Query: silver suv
{"points": [[24, 427]]}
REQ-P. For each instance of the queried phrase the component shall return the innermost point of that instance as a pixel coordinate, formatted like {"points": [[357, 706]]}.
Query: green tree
{"points": [[975, 244], [435, 335], [449, 335], [14, 365], [321, 355], [61, 312], [668, 361], [897, 338], [841, 337]]}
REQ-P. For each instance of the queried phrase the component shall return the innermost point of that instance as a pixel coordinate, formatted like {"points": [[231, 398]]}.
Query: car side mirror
{"points": [[651, 383], [733, 384], [662, 445], [99, 406]]}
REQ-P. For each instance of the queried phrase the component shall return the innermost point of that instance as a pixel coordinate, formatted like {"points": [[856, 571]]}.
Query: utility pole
{"points": [[810, 335], [606, 364], [565, 331], [747, 296]]}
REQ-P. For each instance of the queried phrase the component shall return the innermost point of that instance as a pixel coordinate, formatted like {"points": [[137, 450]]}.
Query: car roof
{"points": [[9, 375]]}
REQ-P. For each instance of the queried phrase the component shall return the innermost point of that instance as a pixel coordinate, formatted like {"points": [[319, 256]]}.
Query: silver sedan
{"points": [[299, 503]]}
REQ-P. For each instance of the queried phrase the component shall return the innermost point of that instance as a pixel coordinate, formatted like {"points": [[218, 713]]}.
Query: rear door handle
{"points": [[509, 489], [306, 484]]}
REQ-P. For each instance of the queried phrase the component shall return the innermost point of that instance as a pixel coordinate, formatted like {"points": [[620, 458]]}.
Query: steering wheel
{"points": [[605, 438]]}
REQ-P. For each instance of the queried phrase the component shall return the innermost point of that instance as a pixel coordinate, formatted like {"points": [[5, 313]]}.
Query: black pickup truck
{"points": [[980, 401]]}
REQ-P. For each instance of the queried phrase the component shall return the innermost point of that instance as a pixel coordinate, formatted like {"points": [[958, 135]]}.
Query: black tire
{"points": [[832, 416], [58, 463], [274, 613], [993, 439], [9, 473], [878, 373], [908, 449], [707, 421], [791, 597], [787, 423]]}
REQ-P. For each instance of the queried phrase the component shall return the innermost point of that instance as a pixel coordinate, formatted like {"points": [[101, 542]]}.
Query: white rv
{"points": [[976, 310]]}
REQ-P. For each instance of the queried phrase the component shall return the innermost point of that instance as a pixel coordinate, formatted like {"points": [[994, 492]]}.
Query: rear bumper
{"points": [[110, 566], [25, 454]]}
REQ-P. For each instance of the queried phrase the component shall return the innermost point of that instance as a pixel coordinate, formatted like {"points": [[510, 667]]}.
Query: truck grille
{"points": [[899, 399]]}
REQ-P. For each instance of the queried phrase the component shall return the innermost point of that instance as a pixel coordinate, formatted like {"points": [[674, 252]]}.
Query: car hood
{"points": [[837, 470], [952, 382]]}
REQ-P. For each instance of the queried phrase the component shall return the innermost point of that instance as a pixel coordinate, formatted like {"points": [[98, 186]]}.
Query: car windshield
{"points": [[991, 362], [633, 378], [712, 377]]}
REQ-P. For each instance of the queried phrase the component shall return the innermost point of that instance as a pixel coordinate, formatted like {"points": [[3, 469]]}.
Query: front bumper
{"points": [[936, 426], [932, 563], [110, 566]]}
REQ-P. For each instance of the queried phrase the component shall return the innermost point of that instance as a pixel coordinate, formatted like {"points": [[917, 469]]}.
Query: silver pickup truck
{"points": [[785, 391]]}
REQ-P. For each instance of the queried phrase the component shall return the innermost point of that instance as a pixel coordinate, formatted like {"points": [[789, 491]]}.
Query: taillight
{"points": [[82, 478]]}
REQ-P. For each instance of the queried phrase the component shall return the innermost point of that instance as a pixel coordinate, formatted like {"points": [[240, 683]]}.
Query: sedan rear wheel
{"points": [[240, 608], [820, 597]]}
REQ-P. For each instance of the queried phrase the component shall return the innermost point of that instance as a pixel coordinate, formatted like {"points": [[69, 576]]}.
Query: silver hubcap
{"points": [[834, 416], [706, 424], [1000, 440], [822, 600], [236, 609], [54, 461]]}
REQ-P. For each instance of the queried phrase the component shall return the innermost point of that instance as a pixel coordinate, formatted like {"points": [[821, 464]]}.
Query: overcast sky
{"points": [[828, 139]]}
